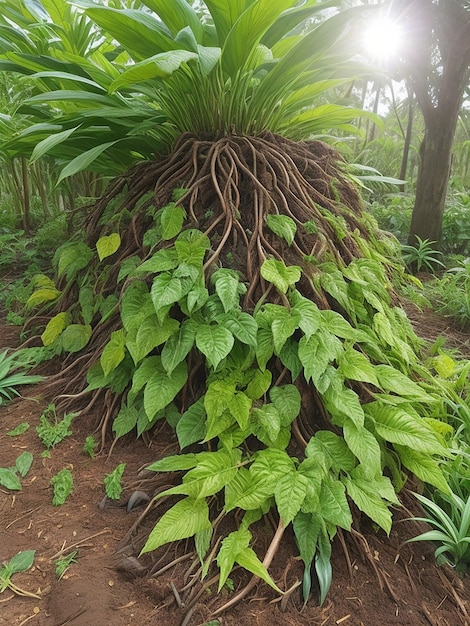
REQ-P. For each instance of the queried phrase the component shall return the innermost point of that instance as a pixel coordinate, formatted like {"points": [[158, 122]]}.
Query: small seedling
{"points": [[9, 475], [89, 446], [19, 430], [19, 563], [51, 430], [112, 482], [62, 564], [422, 256], [63, 486]]}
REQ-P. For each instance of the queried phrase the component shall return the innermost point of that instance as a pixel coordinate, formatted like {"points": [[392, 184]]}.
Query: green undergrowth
{"points": [[312, 412]]}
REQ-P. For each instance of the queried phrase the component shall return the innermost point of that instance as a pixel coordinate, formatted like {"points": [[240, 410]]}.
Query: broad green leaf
{"points": [[176, 15], [264, 347], [135, 305], [334, 505], [314, 356], [23, 463], [176, 462], [280, 275], [211, 473], [166, 290], [289, 494], [282, 226], [289, 357], [54, 328], [125, 421], [178, 345], [161, 261], [239, 406], [9, 479], [283, 327], [191, 427], [401, 425], [269, 419], [150, 334], [83, 161], [186, 518], [21, 561], [423, 466], [75, 337], [217, 398], [364, 446], [172, 218], [242, 326], [158, 66], [113, 352], [287, 401], [72, 257], [310, 317], [331, 451], [392, 380], [306, 528], [108, 245], [344, 403], [259, 384], [250, 561], [215, 343], [369, 502], [354, 365], [161, 389], [226, 284], [246, 491], [230, 547]]}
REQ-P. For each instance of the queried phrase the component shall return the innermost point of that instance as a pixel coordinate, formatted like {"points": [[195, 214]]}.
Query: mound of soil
{"points": [[377, 580]]}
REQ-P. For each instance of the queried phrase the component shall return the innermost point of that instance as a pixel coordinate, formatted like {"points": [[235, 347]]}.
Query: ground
{"points": [[377, 580]]}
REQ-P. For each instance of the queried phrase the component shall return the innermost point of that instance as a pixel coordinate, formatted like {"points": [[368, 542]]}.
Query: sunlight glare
{"points": [[383, 39]]}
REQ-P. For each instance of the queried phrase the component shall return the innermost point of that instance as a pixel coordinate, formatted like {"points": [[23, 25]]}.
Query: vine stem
{"points": [[271, 551]]}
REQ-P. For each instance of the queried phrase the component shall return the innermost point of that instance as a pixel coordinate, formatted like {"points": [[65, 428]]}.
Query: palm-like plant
{"points": [[214, 261]]}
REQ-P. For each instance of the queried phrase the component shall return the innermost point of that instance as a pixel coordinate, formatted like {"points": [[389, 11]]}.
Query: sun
{"points": [[383, 39]]}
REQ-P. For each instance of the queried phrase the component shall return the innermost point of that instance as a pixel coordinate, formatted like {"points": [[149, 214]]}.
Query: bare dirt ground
{"points": [[377, 581]]}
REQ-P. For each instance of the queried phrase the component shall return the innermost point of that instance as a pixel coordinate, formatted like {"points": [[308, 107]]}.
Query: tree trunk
{"points": [[433, 177], [408, 136]]}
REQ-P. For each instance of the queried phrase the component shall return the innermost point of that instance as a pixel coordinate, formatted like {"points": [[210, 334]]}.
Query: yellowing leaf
{"points": [[107, 245], [54, 327]]}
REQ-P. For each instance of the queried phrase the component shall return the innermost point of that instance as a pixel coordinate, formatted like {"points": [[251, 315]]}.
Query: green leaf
{"points": [[9, 479], [423, 466], [310, 317], [160, 65], [82, 162], [344, 403], [283, 327], [75, 337], [306, 528], [136, 305], [323, 567], [401, 425], [113, 352], [354, 365], [108, 245], [239, 406], [333, 503], [54, 328], [282, 226], [369, 502], [287, 401], [150, 334], [161, 388], [42, 295], [161, 261], [392, 380], [364, 446], [191, 427], [227, 285], [176, 462], [183, 520], [250, 561], [269, 418], [290, 493], [247, 491], [215, 343], [50, 142], [172, 218], [331, 451], [72, 257], [176, 15], [178, 345], [264, 347], [259, 384], [230, 547], [18, 430], [280, 275], [125, 421], [165, 290], [23, 463], [21, 561], [242, 325], [112, 482]]}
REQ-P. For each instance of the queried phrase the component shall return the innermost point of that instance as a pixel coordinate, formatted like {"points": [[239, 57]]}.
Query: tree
{"points": [[437, 64], [229, 281]]}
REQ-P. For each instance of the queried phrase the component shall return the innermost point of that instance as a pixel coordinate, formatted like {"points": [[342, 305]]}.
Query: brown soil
{"points": [[377, 581]]}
